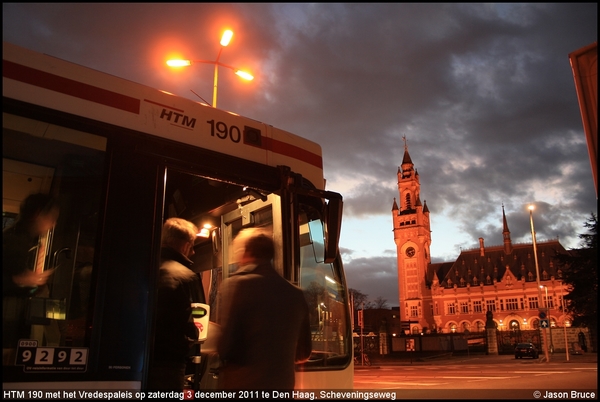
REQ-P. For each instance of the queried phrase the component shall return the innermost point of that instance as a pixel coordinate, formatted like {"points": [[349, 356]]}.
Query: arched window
{"points": [[408, 204], [514, 325]]}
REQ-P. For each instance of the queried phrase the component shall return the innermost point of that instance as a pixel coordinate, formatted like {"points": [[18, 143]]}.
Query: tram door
{"points": [[264, 212], [67, 164]]}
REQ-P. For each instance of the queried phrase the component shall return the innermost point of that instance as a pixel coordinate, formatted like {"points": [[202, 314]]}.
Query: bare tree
{"points": [[358, 299], [380, 302]]}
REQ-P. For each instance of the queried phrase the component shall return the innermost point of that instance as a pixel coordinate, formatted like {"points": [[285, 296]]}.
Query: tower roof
{"points": [[406, 159]]}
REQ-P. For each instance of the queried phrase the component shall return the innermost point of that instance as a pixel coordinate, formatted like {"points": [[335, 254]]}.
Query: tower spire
{"points": [[407, 163], [506, 234]]}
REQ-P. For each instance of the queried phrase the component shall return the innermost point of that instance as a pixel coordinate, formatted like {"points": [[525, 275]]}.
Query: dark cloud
{"points": [[484, 93], [375, 277]]}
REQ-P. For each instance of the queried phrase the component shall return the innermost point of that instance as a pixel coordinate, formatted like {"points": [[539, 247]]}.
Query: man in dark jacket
{"points": [[264, 320], [23, 267], [178, 287]]}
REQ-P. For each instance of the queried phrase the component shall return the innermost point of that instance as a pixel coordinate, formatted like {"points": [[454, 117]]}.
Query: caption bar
{"points": [[192, 395]]}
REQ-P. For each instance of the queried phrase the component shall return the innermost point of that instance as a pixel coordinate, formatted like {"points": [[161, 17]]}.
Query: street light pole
{"points": [[562, 303], [537, 274], [547, 305], [225, 39]]}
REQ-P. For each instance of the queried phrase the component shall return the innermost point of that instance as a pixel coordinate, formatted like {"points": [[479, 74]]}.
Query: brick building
{"points": [[455, 296]]}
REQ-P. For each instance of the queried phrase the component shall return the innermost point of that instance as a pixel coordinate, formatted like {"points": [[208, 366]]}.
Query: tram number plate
{"points": [[50, 359]]}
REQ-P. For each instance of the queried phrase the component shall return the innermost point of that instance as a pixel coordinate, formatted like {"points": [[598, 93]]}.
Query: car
{"points": [[526, 350]]}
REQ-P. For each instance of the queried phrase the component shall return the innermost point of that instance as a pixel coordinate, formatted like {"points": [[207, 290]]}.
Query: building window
{"points": [[477, 307], [414, 311], [480, 326], [512, 304], [548, 302], [464, 307], [408, 206], [533, 302], [514, 325], [490, 305], [451, 309]]}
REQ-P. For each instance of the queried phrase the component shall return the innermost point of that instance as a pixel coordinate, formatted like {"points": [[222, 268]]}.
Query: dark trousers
{"points": [[166, 376]]}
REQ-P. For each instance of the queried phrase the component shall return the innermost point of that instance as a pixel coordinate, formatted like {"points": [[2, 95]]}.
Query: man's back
{"points": [[265, 330]]}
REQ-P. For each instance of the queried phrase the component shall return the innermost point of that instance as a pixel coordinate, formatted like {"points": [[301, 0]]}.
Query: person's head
{"points": [[179, 235], [39, 212], [253, 246]]}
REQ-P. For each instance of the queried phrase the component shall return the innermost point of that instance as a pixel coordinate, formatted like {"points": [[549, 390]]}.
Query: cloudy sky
{"points": [[484, 94]]}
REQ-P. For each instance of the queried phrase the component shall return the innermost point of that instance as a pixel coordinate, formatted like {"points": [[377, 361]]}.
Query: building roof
{"points": [[488, 265]]}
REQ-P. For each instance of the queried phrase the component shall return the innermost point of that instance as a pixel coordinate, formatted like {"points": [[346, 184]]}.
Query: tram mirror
{"points": [[333, 226]]}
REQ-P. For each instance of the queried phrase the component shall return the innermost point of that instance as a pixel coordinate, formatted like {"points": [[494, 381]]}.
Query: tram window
{"points": [[43, 158], [324, 295]]}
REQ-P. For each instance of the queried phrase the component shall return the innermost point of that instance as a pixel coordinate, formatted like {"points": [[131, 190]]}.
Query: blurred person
{"points": [[23, 274], [264, 320], [178, 287]]}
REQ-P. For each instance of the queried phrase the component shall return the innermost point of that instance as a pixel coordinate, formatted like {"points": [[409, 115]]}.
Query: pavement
{"points": [[447, 358]]}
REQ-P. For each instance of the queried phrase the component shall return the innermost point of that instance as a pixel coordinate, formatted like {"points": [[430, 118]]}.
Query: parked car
{"points": [[526, 350]]}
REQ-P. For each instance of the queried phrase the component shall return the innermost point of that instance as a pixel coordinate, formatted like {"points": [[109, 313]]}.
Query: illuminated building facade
{"points": [[455, 296]]}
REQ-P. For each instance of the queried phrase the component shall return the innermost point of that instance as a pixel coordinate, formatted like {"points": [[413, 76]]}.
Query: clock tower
{"points": [[412, 236]]}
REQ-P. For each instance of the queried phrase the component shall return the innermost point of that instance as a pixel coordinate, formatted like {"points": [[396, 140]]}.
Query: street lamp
{"points": [[546, 304], [562, 303], [537, 274], [225, 39]]}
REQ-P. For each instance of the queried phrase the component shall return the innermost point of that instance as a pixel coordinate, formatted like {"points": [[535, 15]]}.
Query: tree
{"points": [[580, 274], [358, 299], [380, 302]]}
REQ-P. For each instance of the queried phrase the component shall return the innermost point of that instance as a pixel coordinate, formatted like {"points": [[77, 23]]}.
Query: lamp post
{"points": [[546, 304], [562, 303], [537, 274], [225, 39]]}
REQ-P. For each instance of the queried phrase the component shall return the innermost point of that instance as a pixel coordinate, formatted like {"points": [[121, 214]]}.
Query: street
{"points": [[499, 377]]}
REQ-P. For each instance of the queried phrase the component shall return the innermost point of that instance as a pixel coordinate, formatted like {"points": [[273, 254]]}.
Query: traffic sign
{"points": [[544, 323], [542, 314]]}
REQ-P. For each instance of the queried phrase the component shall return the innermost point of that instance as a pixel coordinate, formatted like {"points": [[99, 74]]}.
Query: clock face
{"points": [[410, 252]]}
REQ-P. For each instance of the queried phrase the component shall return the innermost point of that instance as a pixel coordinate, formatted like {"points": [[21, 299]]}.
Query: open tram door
{"points": [[256, 210]]}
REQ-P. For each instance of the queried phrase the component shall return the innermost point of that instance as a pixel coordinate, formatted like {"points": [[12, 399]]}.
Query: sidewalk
{"points": [[447, 358]]}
